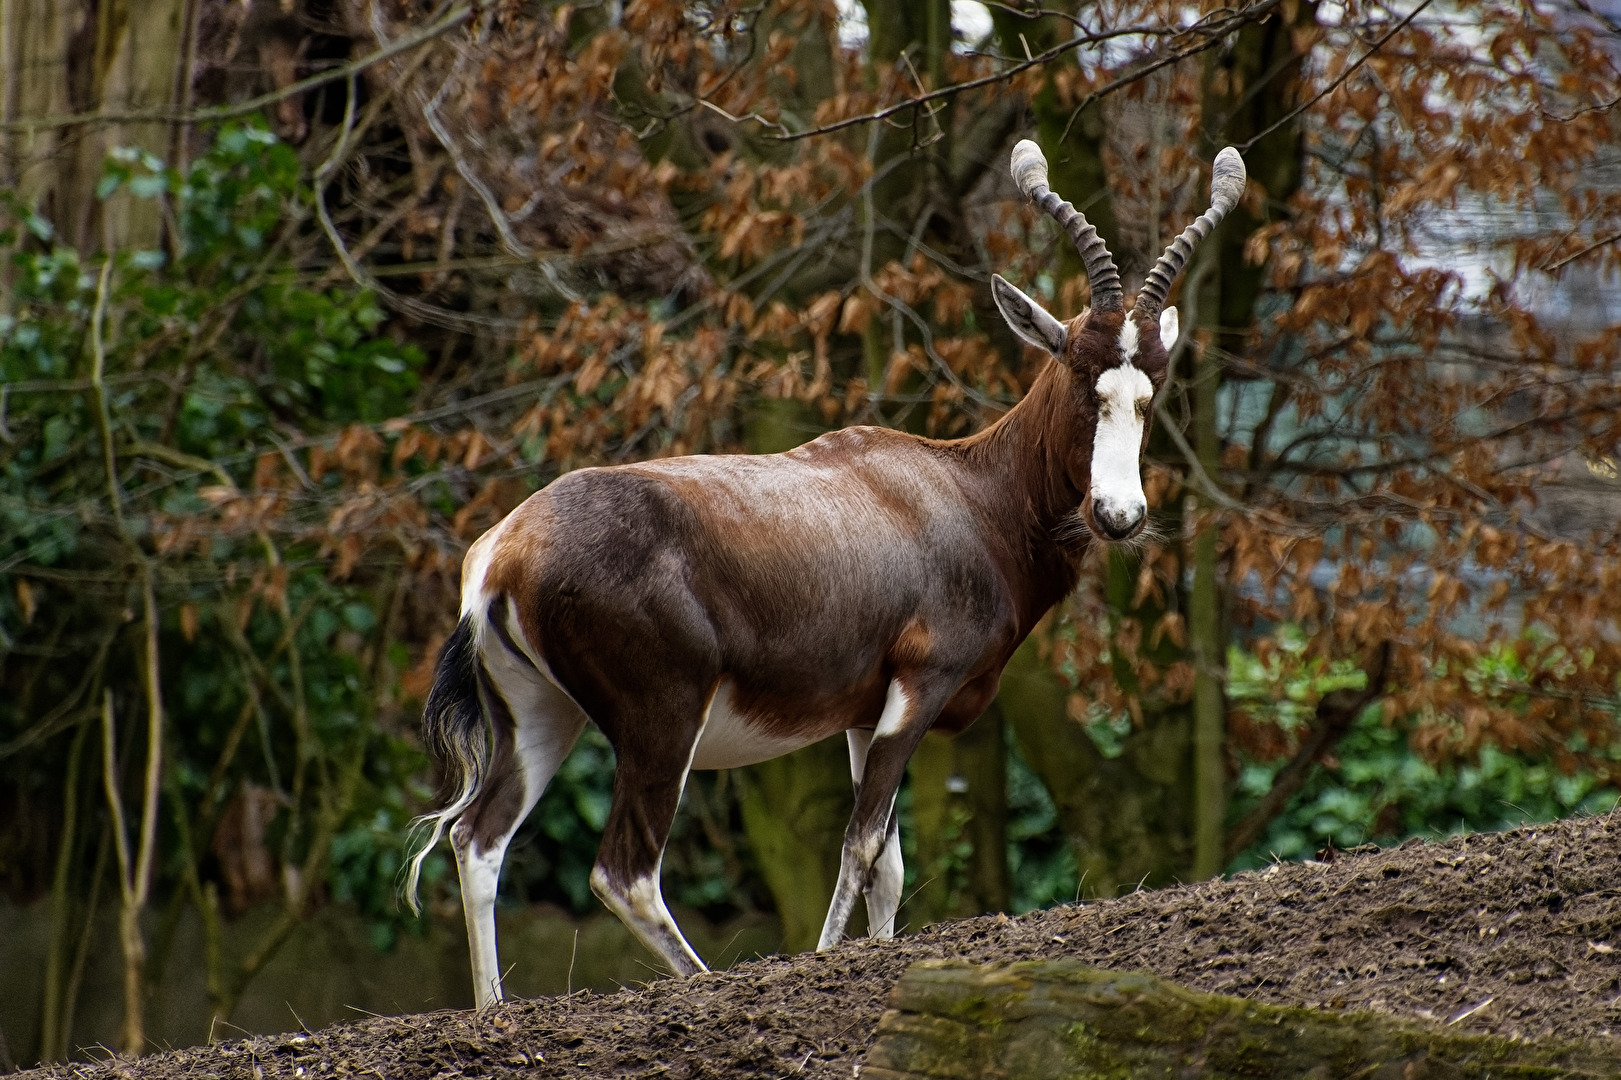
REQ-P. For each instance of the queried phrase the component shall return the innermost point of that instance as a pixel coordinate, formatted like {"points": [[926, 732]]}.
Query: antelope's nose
{"points": [[1119, 521]]}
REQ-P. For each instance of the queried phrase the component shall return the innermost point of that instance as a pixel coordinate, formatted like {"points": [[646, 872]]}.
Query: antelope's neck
{"points": [[1030, 468]]}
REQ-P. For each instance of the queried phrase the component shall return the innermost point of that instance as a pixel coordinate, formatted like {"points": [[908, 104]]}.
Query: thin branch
{"points": [[436, 124], [98, 364], [115, 800], [1213, 32], [456, 17], [899, 305], [66, 713], [428, 313], [1197, 478], [154, 744], [1590, 248], [1032, 14], [1336, 712], [1603, 106], [1346, 74]]}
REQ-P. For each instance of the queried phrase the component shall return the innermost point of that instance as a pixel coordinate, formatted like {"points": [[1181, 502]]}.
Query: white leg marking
{"points": [[894, 711], [548, 724], [860, 740], [474, 607], [884, 894], [480, 874], [856, 862], [640, 904]]}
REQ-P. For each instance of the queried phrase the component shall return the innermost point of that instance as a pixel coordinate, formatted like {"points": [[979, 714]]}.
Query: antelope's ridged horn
{"points": [[1030, 173], [1227, 178]]}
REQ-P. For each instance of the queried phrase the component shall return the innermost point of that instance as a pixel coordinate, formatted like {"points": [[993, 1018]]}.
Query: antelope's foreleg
{"points": [[908, 712], [883, 892]]}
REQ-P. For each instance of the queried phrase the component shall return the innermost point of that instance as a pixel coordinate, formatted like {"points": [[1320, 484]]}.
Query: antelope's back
{"points": [[792, 574]]}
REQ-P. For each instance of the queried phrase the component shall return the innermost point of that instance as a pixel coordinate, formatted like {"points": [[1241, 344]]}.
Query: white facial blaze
{"points": [[1117, 482]]}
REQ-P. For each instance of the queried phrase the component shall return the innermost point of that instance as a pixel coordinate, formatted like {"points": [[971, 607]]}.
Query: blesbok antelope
{"points": [[711, 612]]}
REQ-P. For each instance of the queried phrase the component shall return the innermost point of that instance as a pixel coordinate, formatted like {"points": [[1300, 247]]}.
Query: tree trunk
{"points": [[959, 818], [40, 64], [1205, 638], [1209, 710], [67, 57], [1126, 816], [1061, 1019], [1248, 88], [139, 52], [795, 809], [1156, 812]]}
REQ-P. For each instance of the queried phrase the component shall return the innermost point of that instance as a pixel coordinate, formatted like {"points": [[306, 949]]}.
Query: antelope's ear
{"points": [[1169, 327], [1027, 318]]}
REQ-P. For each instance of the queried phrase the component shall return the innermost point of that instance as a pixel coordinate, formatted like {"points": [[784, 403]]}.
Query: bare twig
{"points": [[1336, 712], [133, 1037], [428, 313], [1589, 249], [66, 713], [1346, 74], [899, 305], [1213, 32], [436, 124], [464, 168], [135, 869], [154, 741], [1197, 478], [1602, 106], [98, 365]]}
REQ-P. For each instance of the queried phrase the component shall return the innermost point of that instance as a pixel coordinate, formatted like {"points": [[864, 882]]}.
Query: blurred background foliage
{"points": [[273, 352]]}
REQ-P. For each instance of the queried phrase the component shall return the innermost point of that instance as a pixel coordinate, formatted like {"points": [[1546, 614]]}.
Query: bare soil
{"points": [[1517, 933]]}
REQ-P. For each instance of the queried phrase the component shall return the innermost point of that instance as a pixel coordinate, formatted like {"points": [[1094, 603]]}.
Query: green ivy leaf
{"points": [[148, 186]]}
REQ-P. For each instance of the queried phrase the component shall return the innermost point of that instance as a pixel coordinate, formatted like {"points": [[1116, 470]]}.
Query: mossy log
{"points": [[1062, 1020]]}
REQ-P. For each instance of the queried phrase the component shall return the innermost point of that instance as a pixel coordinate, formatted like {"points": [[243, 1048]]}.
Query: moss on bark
{"points": [[1053, 1019]]}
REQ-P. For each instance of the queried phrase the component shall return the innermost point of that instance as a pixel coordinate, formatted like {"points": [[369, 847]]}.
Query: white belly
{"points": [[729, 739]]}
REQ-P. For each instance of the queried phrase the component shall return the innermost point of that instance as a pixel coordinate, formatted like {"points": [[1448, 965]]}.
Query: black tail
{"points": [[454, 733]]}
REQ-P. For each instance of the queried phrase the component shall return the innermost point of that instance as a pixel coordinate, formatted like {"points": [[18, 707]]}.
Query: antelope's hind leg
{"points": [[534, 726], [653, 741]]}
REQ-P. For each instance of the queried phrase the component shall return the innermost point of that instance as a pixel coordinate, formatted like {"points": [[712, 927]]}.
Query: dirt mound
{"points": [[1513, 933]]}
